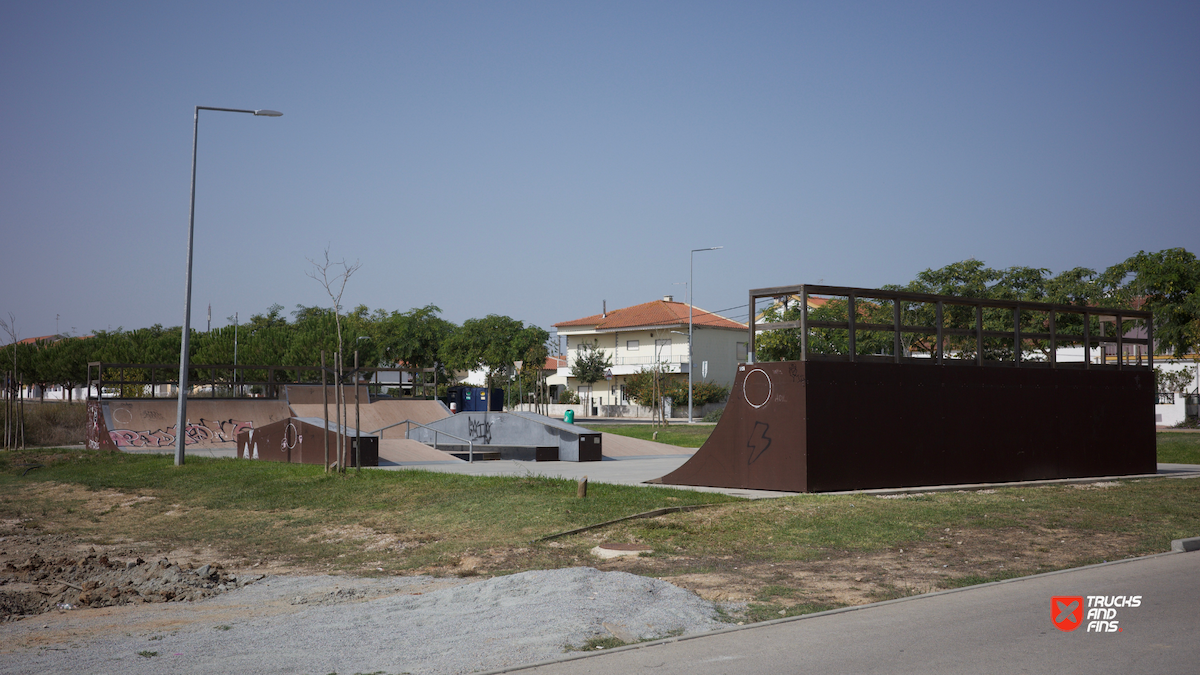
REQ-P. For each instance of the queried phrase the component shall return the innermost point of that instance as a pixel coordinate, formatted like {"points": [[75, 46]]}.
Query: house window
{"points": [[631, 345], [741, 351]]}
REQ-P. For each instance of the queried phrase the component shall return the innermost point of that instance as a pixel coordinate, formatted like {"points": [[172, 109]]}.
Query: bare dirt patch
{"points": [[840, 577]]}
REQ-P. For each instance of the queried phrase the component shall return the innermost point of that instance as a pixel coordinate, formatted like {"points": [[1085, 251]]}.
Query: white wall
{"points": [[1170, 414]]}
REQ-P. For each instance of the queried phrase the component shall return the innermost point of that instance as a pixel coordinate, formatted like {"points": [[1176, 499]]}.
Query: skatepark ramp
{"points": [[516, 435], [114, 424], [851, 421]]}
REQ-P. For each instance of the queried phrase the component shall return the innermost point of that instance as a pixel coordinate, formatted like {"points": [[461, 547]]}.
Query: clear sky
{"points": [[535, 159]]}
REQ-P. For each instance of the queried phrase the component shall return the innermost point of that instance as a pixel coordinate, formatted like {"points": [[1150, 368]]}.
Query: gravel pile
{"points": [[324, 625], [39, 585]]}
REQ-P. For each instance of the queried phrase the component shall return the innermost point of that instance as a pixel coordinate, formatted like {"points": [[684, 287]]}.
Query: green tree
{"points": [[703, 393], [1168, 283], [590, 364], [493, 343]]}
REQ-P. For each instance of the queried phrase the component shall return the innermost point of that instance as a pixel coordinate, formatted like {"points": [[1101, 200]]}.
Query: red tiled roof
{"points": [[50, 338], [555, 362], [651, 315]]}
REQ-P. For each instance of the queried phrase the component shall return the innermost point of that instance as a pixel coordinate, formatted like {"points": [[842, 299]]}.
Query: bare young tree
{"points": [[14, 417], [334, 282]]}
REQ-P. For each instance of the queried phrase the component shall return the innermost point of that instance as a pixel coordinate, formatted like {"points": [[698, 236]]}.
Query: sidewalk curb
{"points": [[1185, 545]]}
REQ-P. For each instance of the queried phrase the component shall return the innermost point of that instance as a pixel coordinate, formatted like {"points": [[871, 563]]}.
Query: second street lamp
{"points": [[184, 342], [691, 301]]}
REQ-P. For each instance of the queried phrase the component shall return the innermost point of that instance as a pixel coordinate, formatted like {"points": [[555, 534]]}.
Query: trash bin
{"points": [[569, 417]]}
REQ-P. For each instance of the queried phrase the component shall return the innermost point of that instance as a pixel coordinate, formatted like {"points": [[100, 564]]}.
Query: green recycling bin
{"points": [[569, 417]]}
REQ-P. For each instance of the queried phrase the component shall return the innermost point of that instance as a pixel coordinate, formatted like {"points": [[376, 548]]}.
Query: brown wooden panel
{"points": [[821, 426]]}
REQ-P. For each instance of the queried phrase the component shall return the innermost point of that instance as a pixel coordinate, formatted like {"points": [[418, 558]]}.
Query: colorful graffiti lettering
{"points": [[93, 436], [207, 431]]}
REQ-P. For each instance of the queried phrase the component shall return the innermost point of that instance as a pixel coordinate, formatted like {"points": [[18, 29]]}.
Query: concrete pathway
{"points": [[1004, 627]]}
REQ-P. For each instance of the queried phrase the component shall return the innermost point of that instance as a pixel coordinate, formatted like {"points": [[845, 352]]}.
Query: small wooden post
{"points": [[581, 490]]}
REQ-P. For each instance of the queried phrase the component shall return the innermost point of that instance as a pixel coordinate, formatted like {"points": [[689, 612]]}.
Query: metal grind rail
{"points": [[470, 445]]}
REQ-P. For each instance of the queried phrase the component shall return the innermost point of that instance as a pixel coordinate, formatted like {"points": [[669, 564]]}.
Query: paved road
{"points": [[997, 628]]}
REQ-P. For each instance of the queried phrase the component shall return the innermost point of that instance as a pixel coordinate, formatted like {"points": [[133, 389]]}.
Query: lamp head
{"points": [[268, 113]]}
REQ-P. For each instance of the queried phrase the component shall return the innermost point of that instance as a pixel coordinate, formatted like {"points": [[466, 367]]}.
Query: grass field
{"points": [[780, 556], [684, 435], [1178, 448]]}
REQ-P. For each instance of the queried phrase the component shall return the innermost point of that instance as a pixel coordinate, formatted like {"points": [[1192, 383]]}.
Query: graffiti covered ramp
{"points": [[133, 423], [820, 426]]}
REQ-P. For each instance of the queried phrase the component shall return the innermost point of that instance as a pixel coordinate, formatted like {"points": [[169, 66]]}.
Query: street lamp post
{"points": [[181, 411], [691, 297]]}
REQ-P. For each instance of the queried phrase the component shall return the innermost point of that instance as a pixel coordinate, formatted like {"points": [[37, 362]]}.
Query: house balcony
{"points": [[628, 365]]}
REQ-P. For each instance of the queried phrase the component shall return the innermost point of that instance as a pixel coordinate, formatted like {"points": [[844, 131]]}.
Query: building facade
{"points": [[638, 337]]}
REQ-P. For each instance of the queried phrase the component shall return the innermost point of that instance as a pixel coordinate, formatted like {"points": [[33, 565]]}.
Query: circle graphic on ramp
{"points": [[122, 415], [756, 387], [290, 436]]}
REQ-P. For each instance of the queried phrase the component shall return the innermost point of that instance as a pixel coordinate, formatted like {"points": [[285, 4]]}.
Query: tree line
{"points": [[1166, 282], [418, 338]]}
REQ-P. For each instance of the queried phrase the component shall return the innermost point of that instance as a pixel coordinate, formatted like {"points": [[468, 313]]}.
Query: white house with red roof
{"points": [[637, 337]]}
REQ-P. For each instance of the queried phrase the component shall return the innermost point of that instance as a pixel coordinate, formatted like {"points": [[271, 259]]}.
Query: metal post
{"points": [[691, 292], [1017, 336], [1053, 342], [184, 342], [1087, 340], [1119, 328], [325, 393], [940, 359], [850, 326], [896, 342], [750, 337], [1150, 342], [357, 433], [979, 335], [803, 323]]}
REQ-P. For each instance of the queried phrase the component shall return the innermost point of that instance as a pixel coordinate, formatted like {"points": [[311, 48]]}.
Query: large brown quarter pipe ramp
{"points": [[818, 426]]}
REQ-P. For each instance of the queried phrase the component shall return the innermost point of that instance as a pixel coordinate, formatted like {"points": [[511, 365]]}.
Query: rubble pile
{"points": [[41, 585]]}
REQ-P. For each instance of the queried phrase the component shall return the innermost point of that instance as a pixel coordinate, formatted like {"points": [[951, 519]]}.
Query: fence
{"points": [[957, 323], [161, 380]]}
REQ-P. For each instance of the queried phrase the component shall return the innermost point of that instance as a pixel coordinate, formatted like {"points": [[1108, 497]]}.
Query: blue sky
{"points": [[536, 159]]}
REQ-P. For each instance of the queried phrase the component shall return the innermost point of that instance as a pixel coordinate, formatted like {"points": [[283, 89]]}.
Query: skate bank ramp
{"points": [[114, 424], [133, 423], [816, 426]]}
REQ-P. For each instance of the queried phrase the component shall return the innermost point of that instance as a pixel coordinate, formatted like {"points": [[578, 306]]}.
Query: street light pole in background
{"points": [[181, 411], [691, 301]]}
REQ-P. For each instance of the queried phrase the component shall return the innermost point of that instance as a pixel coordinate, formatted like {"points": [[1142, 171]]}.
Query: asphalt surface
{"points": [[1005, 627]]}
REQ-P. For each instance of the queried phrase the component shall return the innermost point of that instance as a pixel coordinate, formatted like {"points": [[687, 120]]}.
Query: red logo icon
{"points": [[1066, 611]]}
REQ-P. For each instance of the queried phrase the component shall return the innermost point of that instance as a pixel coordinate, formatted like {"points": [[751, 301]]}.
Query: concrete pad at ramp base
{"points": [[380, 414], [616, 446], [404, 451], [150, 424], [516, 435]]}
